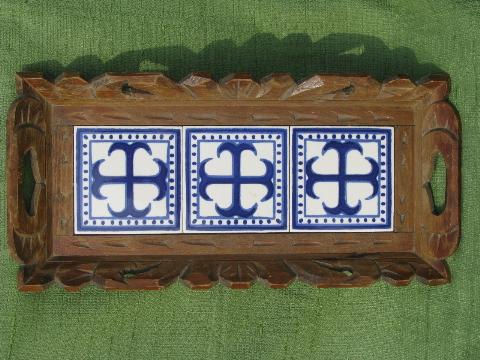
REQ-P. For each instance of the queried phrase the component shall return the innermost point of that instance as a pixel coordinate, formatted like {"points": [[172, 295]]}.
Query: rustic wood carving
{"points": [[41, 231]]}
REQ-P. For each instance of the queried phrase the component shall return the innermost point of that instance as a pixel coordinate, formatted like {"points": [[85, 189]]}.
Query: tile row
{"points": [[233, 179]]}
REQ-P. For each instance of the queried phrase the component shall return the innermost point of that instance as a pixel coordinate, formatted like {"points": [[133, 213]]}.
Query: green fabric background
{"points": [[302, 37]]}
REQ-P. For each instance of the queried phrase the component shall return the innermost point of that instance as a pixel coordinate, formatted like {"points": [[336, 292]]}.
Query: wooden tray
{"points": [[42, 225]]}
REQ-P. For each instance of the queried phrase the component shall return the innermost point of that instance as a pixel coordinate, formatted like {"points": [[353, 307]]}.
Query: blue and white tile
{"points": [[236, 179], [127, 179], [342, 179]]}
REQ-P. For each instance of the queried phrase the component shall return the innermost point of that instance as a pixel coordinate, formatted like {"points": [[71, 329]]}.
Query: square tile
{"points": [[127, 179], [342, 179], [236, 179]]}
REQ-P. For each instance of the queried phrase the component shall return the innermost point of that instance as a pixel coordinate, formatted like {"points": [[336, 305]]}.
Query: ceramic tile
{"points": [[127, 179], [342, 178], [236, 179]]}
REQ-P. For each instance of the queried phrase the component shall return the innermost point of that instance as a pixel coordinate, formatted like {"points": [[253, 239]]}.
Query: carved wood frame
{"points": [[41, 237]]}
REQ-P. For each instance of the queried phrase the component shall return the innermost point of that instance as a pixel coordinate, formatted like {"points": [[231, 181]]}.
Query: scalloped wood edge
{"points": [[204, 274], [201, 86]]}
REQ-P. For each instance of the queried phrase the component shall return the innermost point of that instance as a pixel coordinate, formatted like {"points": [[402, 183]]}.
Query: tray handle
{"points": [[440, 135], [26, 154]]}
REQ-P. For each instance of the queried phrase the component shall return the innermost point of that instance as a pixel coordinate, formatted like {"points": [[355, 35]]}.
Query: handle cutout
{"points": [[30, 181], [437, 186]]}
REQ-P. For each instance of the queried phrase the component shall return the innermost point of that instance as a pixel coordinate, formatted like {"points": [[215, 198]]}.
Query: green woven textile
{"points": [[302, 37]]}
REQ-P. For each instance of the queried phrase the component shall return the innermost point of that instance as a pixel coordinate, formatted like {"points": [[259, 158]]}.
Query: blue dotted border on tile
{"points": [[195, 135], [170, 222], [300, 221]]}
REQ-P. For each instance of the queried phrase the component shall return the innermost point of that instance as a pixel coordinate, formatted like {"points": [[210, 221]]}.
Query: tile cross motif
{"points": [[236, 180], [129, 180], [342, 178]]}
